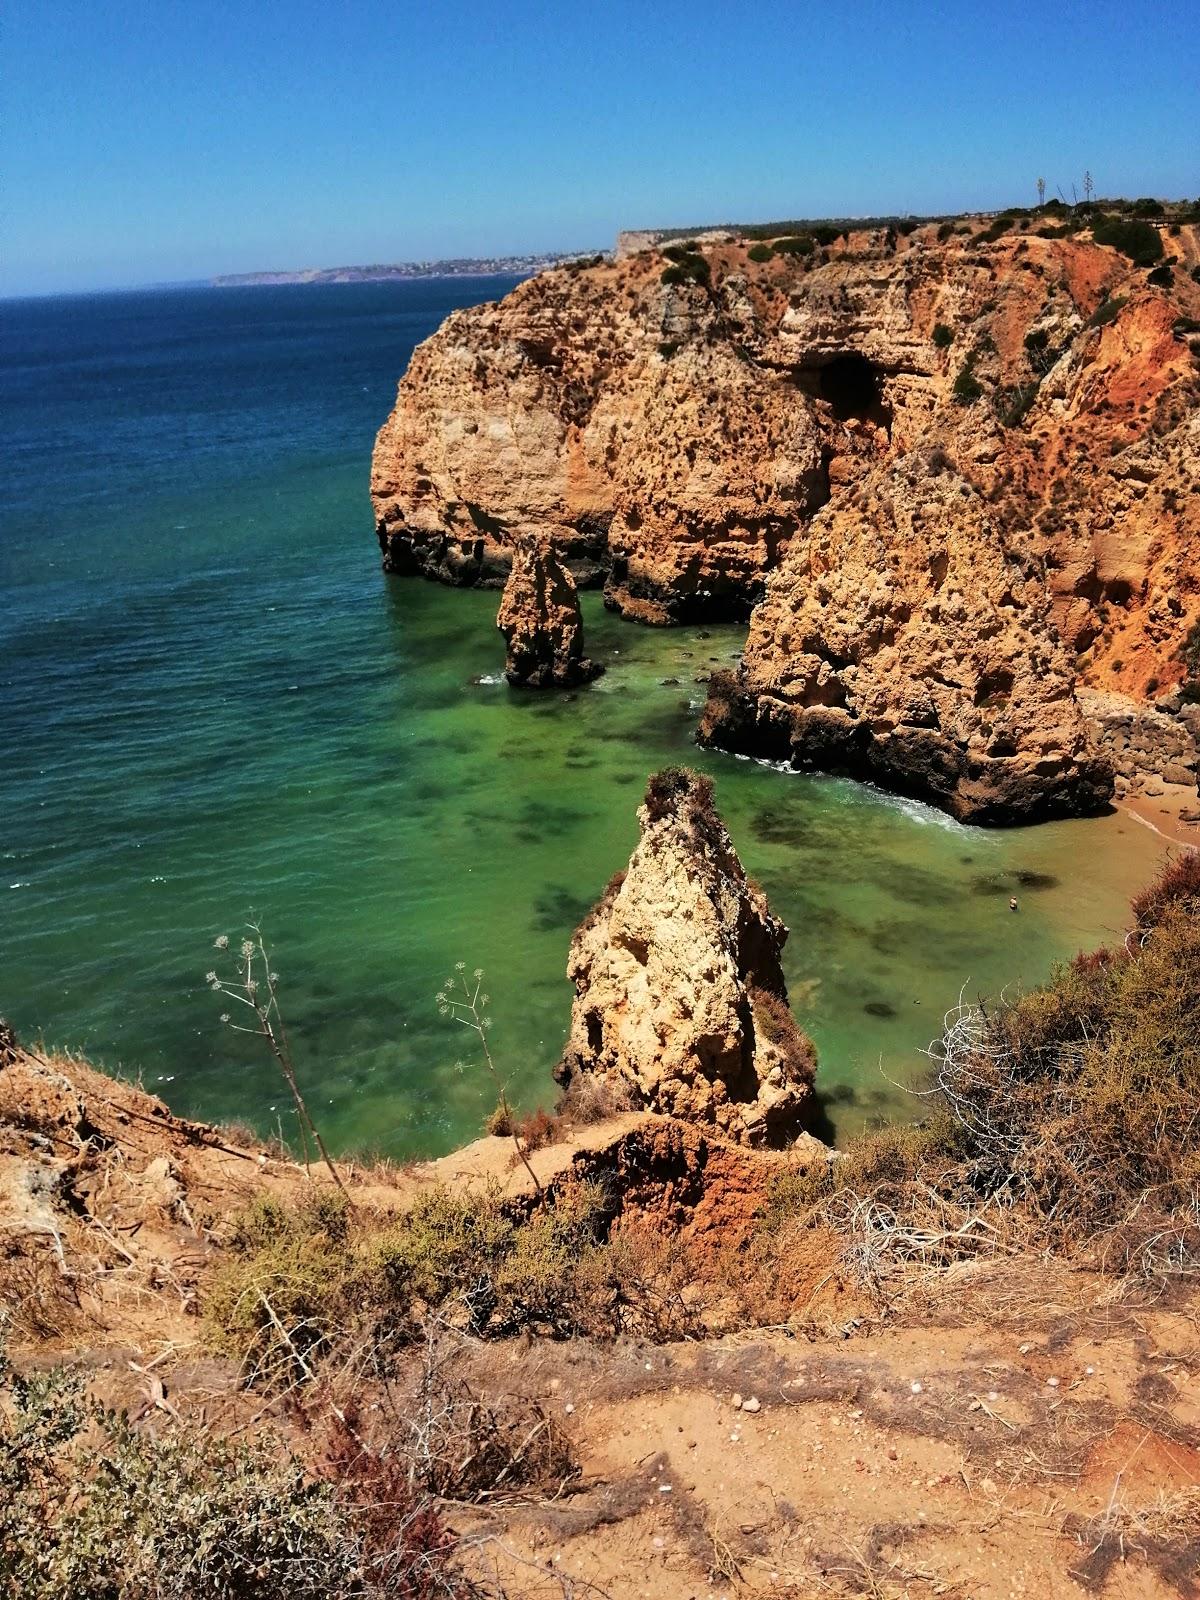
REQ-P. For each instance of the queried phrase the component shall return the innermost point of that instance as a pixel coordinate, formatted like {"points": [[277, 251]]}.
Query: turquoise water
{"points": [[211, 700]]}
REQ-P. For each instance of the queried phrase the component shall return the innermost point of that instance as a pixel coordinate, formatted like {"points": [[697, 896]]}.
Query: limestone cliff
{"points": [[679, 995], [710, 430], [904, 642], [540, 620]]}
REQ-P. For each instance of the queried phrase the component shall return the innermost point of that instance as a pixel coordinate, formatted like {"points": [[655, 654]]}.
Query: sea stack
{"points": [[540, 619], [680, 998]]}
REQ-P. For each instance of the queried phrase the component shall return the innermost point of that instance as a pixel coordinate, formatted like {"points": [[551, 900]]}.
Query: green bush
{"points": [[134, 1516], [291, 1289], [760, 252], [801, 245], [1107, 311], [1161, 277], [446, 1242], [967, 387], [686, 266], [1132, 237], [943, 336]]}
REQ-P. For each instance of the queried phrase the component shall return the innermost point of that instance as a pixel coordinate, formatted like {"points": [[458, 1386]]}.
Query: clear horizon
{"points": [[225, 139]]}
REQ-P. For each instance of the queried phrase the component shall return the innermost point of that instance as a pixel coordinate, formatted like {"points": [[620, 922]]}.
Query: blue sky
{"points": [[157, 140]]}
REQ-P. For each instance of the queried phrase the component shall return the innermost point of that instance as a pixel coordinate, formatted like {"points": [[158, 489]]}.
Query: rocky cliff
{"points": [[962, 467], [540, 620], [680, 1000]]}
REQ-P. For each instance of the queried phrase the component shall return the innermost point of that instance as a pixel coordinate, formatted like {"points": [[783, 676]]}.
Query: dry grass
{"points": [[1066, 1118], [1164, 1534]]}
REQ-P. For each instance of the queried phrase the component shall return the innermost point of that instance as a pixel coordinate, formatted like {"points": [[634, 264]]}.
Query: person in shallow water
{"points": [[1012, 904]]}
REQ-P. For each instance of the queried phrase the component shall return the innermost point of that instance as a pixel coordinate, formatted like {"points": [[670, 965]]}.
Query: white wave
{"points": [[921, 812]]}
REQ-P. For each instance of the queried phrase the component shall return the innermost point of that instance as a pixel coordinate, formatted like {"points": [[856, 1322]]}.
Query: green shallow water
{"points": [[212, 700]]}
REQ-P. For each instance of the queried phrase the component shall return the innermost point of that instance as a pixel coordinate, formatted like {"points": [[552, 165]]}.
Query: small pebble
{"points": [[915, 1386], [1052, 1383], [737, 1402], [569, 1408], [753, 1404]]}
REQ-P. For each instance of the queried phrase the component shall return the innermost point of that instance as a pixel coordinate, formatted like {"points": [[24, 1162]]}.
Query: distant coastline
{"points": [[452, 267]]}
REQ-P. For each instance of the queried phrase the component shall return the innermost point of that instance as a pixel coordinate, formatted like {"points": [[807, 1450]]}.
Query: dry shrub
{"points": [[499, 1124], [538, 1129], [1165, 1535], [774, 1020], [590, 1098], [646, 1284], [1177, 885], [1085, 1095], [240, 1135], [1065, 1117], [40, 1301], [535, 1131], [407, 1547]]}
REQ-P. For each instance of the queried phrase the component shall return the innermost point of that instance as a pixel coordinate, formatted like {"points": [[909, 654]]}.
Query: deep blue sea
{"points": [[212, 701]]}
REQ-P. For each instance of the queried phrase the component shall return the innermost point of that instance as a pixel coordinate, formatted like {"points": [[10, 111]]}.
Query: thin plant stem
{"points": [[248, 990], [467, 1012]]}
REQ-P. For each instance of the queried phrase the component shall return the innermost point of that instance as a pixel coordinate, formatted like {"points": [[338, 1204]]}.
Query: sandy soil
{"points": [[1167, 813], [1010, 1427]]}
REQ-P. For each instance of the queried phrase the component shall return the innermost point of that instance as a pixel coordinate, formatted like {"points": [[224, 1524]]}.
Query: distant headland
{"points": [[453, 267]]}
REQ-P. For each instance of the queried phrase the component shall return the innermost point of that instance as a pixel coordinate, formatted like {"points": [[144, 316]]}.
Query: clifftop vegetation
{"points": [[380, 1388]]}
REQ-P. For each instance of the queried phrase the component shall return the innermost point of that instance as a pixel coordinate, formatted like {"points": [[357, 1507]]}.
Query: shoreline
{"points": [[1164, 813]]}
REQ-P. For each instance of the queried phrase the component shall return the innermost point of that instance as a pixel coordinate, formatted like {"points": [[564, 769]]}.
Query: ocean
{"points": [[213, 703]]}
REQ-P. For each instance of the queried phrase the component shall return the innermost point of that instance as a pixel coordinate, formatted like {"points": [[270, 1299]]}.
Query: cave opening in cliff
{"points": [[850, 384]]}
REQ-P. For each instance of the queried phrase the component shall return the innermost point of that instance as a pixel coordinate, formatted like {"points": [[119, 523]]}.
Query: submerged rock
{"points": [[680, 998], [541, 623]]}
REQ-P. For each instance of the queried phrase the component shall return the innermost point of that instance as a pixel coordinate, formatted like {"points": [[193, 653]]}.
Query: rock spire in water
{"points": [[680, 999], [540, 620]]}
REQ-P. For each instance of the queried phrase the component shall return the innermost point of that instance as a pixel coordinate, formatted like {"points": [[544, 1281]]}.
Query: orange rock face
{"points": [[944, 466]]}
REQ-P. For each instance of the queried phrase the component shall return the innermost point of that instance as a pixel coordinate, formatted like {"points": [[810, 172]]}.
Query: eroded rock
{"points": [[680, 998], [703, 436], [541, 622], [905, 641]]}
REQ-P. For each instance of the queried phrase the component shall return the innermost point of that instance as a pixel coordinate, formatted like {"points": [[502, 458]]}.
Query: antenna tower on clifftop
{"points": [[1041, 186], [1089, 188]]}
